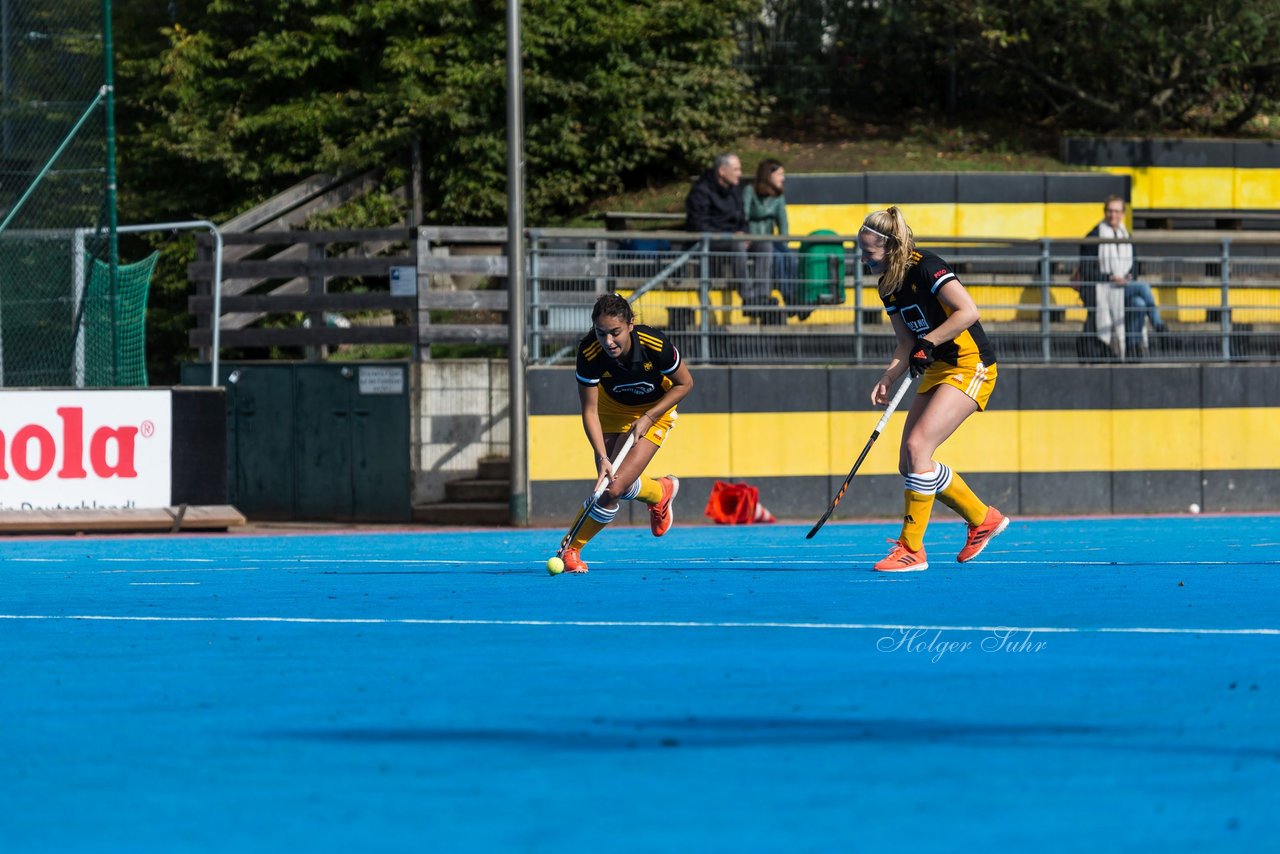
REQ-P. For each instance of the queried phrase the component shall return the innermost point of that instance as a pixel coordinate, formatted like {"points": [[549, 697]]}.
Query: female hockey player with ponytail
{"points": [[941, 341]]}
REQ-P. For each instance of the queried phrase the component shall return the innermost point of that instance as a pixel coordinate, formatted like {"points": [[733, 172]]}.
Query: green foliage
{"points": [[1155, 66], [237, 99], [250, 94], [1131, 64]]}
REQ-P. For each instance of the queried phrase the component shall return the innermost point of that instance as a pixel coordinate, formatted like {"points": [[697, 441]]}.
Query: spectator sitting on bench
{"points": [[714, 206], [1115, 262], [766, 209]]}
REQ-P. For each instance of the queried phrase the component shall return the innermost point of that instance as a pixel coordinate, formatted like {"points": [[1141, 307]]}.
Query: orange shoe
{"points": [[980, 535], [572, 561], [902, 559], [661, 515]]}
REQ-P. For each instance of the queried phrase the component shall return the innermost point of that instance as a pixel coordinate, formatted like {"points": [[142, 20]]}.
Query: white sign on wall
{"points": [[376, 380], [74, 450]]}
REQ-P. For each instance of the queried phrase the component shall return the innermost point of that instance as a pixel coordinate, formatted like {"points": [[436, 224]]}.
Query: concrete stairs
{"points": [[480, 500]]}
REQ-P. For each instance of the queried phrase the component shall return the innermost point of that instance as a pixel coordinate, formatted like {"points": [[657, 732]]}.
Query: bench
{"points": [[1221, 219], [619, 220]]}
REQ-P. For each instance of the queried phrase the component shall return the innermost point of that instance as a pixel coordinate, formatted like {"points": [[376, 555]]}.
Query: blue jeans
{"points": [[1139, 304]]}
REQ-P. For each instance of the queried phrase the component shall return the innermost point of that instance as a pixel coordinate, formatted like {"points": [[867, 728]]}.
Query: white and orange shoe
{"points": [[980, 535], [902, 559], [661, 515], [573, 561]]}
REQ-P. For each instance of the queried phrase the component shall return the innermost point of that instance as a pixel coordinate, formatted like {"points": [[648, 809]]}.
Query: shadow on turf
{"points": [[621, 734]]}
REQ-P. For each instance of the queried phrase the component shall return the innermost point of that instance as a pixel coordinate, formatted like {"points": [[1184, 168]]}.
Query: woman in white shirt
{"points": [[1115, 260]]}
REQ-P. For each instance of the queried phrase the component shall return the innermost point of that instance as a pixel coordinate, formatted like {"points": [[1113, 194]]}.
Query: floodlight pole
{"points": [[6, 78], [517, 408], [113, 260]]}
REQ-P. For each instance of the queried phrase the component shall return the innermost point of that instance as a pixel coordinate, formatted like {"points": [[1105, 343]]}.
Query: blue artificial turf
{"points": [[1107, 683]]}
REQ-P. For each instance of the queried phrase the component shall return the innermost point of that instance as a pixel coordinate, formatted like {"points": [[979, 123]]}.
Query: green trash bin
{"points": [[822, 272]]}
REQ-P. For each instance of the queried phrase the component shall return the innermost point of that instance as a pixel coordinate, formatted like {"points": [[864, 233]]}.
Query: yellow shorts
{"points": [[970, 376], [618, 417]]}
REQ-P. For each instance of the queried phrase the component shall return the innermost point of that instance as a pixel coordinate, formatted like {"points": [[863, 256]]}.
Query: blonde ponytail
{"points": [[899, 244]]}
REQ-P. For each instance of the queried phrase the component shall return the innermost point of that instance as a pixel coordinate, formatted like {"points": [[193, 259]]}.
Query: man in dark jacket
{"points": [[714, 207], [714, 203]]}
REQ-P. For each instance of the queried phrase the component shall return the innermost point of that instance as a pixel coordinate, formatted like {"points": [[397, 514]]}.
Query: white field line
{"points": [[164, 583], [663, 624]]}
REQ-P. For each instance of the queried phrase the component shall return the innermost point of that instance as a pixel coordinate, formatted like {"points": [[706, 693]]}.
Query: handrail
{"points": [[683, 288]]}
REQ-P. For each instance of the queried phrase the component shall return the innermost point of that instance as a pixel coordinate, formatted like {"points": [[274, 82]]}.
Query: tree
{"points": [[1135, 64], [1209, 66], [247, 95]]}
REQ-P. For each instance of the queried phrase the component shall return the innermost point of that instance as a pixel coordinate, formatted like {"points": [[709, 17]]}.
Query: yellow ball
{"points": [[555, 565]]}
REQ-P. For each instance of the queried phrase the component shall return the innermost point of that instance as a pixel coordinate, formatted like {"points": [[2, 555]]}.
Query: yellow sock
{"points": [[597, 518], [650, 490], [960, 498], [915, 518], [590, 527]]}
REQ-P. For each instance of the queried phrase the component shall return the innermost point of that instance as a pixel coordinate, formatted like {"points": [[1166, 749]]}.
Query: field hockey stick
{"points": [[884, 419], [601, 485]]}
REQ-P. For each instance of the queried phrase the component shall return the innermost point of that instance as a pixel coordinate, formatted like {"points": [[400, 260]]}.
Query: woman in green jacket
{"points": [[765, 206]]}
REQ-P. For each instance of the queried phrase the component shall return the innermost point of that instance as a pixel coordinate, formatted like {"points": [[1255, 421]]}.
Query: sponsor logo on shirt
{"points": [[915, 320], [639, 389]]}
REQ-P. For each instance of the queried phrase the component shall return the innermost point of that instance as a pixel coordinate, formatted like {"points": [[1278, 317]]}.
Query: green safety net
{"points": [[56, 203], [114, 351], [60, 325]]}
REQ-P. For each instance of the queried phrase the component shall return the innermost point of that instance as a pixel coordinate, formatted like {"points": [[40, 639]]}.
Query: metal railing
{"points": [[725, 303]]}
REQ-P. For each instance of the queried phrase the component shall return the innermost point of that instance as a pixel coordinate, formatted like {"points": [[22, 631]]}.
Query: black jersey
{"points": [[917, 303], [641, 377]]}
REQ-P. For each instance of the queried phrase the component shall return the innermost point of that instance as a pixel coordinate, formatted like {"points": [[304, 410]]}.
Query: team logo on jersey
{"points": [[648, 366], [914, 317], [639, 389]]}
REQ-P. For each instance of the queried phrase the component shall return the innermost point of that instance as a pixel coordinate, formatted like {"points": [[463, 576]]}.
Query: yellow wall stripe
{"points": [[779, 444], [1013, 221], [1152, 187], [1201, 187]]}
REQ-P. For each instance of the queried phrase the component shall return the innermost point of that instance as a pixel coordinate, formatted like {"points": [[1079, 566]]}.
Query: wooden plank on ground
{"points": [[207, 517]]}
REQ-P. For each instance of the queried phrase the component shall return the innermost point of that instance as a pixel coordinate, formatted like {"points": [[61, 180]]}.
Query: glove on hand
{"points": [[921, 356]]}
